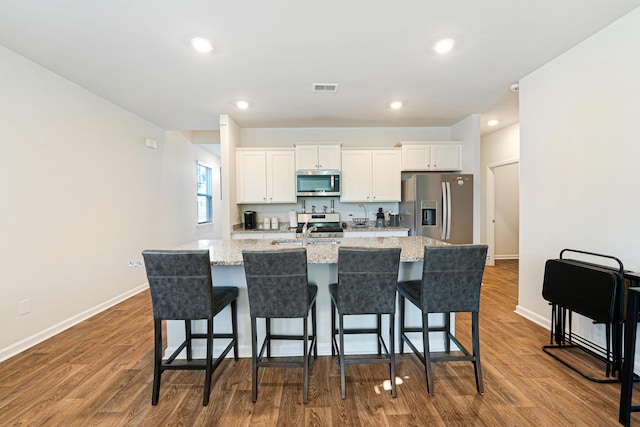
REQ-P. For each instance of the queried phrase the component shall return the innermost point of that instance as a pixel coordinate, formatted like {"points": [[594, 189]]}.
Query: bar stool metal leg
{"points": [[476, 350], [630, 328], [392, 355]]}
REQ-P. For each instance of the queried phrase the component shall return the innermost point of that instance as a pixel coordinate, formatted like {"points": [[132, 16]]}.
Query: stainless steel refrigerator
{"points": [[439, 206]]}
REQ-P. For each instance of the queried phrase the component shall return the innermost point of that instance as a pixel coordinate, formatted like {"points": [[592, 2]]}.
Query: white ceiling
{"points": [[136, 53]]}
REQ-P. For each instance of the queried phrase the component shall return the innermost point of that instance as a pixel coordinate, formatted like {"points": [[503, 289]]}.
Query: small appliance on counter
{"points": [[380, 218], [250, 220], [394, 219]]}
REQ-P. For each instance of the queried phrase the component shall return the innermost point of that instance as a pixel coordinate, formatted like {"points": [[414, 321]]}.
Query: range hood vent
{"points": [[325, 87]]}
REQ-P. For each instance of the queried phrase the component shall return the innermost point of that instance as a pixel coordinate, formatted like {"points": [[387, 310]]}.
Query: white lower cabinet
{"points": [[392, 233], [350, 234]]}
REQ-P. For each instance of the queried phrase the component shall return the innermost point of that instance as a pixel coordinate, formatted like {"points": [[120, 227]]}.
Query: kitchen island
{"points": [[322, 256]]}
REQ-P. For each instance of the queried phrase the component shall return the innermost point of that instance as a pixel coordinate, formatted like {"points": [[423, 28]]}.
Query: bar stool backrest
{"points": [[367, 280], [452, 277], [180, 283], [277, 283]]}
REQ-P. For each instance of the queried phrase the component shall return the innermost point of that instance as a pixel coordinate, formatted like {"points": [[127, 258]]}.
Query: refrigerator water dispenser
{"points": [[429, 208]]}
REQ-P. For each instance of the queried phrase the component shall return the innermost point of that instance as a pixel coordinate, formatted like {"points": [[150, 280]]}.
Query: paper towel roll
{"points": [[293, 219]]}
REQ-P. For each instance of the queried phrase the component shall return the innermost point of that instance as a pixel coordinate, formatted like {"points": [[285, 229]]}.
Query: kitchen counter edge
{"points": [[225, 252]]}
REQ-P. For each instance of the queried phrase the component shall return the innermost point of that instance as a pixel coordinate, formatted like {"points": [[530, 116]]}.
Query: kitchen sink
{"points": [[323, 241], [309, 242], [287, 242]]}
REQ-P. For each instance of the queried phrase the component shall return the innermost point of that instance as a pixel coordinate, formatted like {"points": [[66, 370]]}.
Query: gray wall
{"points": [[81, 197], [579, 174]]}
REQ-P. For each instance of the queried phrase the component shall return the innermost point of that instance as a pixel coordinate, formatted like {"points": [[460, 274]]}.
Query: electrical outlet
{"points": [[24, 307], [135, 264]]}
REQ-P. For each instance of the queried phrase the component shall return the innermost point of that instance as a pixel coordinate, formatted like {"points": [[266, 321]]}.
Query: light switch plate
{"points": [[151, 143], [24, 307]]}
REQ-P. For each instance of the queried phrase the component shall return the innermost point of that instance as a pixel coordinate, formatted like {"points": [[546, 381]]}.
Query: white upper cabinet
{"points": [[265, 176], [431, 156], [386, 175], [371, 175], [318, 156], [356, 176]]}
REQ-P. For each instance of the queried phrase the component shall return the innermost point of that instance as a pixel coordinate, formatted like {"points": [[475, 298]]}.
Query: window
{"points": [[205, 196]]}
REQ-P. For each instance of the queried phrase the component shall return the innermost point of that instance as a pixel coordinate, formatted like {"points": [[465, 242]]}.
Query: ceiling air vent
{"points": [[325, 87]]}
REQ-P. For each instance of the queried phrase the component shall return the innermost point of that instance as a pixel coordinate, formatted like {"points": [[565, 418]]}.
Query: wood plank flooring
{"points": [[100, 373]]}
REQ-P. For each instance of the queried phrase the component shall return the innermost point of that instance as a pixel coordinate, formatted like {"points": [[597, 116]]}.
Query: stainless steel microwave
{"points": [[311, 182]]}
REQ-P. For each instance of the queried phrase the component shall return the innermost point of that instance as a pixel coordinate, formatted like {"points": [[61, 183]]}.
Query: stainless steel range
{"points": [[326, 224]]}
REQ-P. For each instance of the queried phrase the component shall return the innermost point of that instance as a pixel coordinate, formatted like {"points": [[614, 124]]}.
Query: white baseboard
{"points": [[534, 317], [512, 256], [41, 336]]}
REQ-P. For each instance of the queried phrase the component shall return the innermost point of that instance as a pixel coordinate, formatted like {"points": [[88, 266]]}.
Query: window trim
{"points": [[208, 194]]}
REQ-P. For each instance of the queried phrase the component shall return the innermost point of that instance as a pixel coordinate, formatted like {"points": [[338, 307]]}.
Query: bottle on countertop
{"points": [[380, 218]]}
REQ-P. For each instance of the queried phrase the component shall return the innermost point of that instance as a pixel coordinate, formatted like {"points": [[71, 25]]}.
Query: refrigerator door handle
{"points": [[448, 211], [443, 226]]}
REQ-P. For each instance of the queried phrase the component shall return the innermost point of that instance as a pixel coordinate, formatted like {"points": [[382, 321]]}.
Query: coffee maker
{"points": [[250, 220], [380, 218]]}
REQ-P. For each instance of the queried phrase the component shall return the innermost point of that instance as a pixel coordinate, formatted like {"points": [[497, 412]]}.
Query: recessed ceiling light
{"points": [[493, 122], [201, 44], [396, 105], [243, 105], [444, 46]]}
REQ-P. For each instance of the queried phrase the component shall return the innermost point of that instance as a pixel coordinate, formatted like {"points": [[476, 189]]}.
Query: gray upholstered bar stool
{"points": [[278, 287], [182, 289], [451, 282], [367, 281]]}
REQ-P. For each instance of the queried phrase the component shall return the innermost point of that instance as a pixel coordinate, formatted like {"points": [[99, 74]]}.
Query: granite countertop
{"points": [[284, 228], [319, 251]]}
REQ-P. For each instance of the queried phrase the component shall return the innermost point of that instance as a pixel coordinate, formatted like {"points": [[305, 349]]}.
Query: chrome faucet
{"points": [[306, 232], [366, 214]]}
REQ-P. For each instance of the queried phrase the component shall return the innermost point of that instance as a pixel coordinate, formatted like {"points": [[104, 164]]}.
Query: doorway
{"points": [[503, 200]]}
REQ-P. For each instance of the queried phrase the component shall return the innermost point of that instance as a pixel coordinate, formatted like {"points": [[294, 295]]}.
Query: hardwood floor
{"points": [[100, 373]]}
